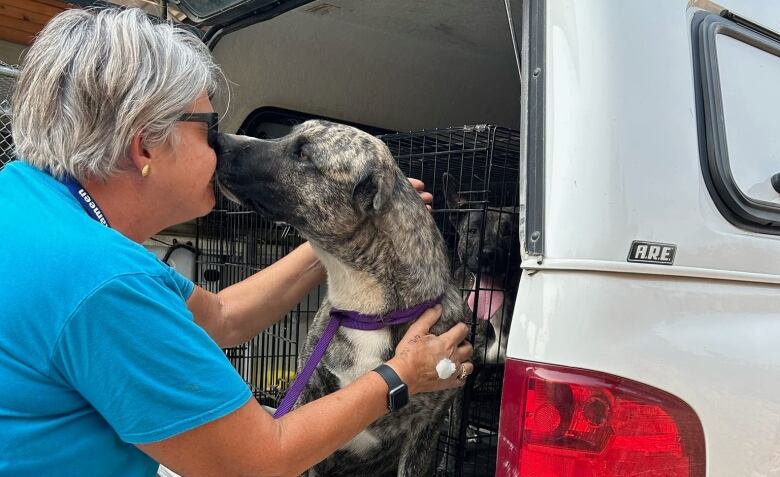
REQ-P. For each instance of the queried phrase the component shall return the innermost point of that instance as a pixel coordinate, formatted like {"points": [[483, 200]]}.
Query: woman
{"points": [[110, 361]]}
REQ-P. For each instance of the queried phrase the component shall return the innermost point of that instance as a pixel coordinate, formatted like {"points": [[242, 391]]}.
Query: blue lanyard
{"points": [[86, 201]]}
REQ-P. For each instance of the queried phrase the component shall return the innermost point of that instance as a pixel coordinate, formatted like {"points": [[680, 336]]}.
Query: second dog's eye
{"points": [[473, 230]]}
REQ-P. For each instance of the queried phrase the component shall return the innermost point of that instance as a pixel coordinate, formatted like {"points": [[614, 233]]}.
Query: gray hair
{"points": [[92, 80]]}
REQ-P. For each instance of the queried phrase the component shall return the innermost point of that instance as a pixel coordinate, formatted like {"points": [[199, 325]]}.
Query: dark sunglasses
{"points": [[211, 120]]}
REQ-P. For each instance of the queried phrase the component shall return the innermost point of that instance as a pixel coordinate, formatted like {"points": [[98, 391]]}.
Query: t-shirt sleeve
{"points": [[183, 284], [134, 352]]}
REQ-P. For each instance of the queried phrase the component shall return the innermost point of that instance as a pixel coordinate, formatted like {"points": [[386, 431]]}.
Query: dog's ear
{"points": [[373, 191], [451, 187], [452, 197]]}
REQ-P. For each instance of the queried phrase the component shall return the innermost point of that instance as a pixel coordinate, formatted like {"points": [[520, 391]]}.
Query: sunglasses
{"points": [[211, 120]]}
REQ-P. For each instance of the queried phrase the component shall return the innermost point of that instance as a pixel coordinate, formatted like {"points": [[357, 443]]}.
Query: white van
{"points": [[645, 336]]}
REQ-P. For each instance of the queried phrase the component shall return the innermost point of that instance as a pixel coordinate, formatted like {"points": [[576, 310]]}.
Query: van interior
{"points": [[416, 73]]}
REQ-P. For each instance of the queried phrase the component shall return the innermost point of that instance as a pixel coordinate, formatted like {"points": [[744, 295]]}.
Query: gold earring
{"points": [[146, 170]]}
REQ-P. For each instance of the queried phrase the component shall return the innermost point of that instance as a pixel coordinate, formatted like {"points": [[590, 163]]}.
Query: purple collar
{"points": [[352, 320]]}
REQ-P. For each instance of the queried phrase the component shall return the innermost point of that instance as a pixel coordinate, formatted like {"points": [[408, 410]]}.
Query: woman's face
{"points": [[188, 168]]}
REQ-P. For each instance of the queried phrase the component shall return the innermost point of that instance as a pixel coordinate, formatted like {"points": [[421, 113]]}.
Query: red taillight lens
{"points": [[563, 422]]}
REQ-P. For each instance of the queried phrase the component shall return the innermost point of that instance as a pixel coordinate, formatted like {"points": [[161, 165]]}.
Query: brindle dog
{"points": [[341, 189], [493, 254]]}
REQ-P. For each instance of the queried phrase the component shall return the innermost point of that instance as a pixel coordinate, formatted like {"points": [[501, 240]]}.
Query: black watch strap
{"points": [[397, 393]]}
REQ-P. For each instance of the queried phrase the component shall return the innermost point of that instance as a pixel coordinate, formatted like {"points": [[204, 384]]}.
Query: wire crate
{"points": [[233, 244], [481, 197], [482, 163]]}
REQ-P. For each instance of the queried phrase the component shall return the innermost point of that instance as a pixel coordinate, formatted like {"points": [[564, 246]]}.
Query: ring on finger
{"points": [[464, 373]]}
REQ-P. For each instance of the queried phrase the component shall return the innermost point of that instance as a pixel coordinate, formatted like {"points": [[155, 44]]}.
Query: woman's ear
{"points": [[139, 155]]}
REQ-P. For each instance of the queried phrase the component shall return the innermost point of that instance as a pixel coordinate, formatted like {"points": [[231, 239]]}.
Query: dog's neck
{"points": [[392, 262]]}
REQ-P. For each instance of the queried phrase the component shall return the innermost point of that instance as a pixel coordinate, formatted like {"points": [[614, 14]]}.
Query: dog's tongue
{"points": [[489, 300]]}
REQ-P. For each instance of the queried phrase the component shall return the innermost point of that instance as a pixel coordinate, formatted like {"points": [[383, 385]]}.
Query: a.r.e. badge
{"points": [[651, 252]]}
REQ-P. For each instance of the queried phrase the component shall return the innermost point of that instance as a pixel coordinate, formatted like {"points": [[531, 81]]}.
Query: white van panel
{"points": [[622, 158], [622, 164]]}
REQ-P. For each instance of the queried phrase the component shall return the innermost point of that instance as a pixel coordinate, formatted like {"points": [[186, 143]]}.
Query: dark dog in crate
{"points": [[342, 190], [489, 267]]}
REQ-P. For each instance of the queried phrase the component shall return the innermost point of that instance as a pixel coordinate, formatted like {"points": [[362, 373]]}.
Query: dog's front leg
{"points": [[418, 458]]}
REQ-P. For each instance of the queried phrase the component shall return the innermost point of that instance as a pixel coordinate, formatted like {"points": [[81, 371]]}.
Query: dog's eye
{"points": [[473, 230]]}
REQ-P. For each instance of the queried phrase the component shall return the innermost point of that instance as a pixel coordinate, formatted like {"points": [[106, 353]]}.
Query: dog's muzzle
{"points": [[234, 154]]}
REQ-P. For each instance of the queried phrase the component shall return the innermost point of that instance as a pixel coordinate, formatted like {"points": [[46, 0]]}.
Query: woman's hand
{"points": [[419, 186], [419, 352]]}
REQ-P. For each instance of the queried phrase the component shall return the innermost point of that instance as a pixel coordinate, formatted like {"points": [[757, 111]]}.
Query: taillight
{"points": [[564, 422]]}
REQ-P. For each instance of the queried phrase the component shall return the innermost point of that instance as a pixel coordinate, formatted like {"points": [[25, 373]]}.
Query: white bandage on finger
{"points": [[445, 368]]}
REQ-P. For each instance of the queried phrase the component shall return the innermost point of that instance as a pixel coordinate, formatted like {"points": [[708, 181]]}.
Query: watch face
{"points": [[398, 397]]}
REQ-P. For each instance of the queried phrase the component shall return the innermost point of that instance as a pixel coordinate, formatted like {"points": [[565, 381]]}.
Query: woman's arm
{"points": [[241, 311], [250, 442]]}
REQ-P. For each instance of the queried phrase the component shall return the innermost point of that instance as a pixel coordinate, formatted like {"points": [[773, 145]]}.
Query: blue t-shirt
{"points": [[98, 350]]}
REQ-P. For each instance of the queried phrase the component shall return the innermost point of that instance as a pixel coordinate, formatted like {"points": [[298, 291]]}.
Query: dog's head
{"points": [[323, 178], [489, 253]]}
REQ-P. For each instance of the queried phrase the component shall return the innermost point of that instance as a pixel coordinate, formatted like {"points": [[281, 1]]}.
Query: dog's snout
{"points": [[222, 150], [232, 150], [226, 145]]}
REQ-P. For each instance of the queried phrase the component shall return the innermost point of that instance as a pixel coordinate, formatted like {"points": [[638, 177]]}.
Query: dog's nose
{"points": [[216, 146], [222, 144], [226, 148], [488, 254]]}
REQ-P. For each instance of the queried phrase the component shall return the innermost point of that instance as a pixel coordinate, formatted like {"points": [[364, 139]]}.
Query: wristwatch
{"points": [[397, 393]]}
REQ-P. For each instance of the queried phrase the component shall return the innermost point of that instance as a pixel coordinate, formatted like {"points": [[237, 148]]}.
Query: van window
{"points": [[270, 122], [750, 91], [222, 12], [740, 74]]}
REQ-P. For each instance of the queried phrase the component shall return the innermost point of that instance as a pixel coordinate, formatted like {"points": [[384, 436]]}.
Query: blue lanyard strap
{"points": [[86, 201]]}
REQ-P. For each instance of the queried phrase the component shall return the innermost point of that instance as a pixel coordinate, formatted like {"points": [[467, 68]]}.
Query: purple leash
{"points": [[352, 320]]}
